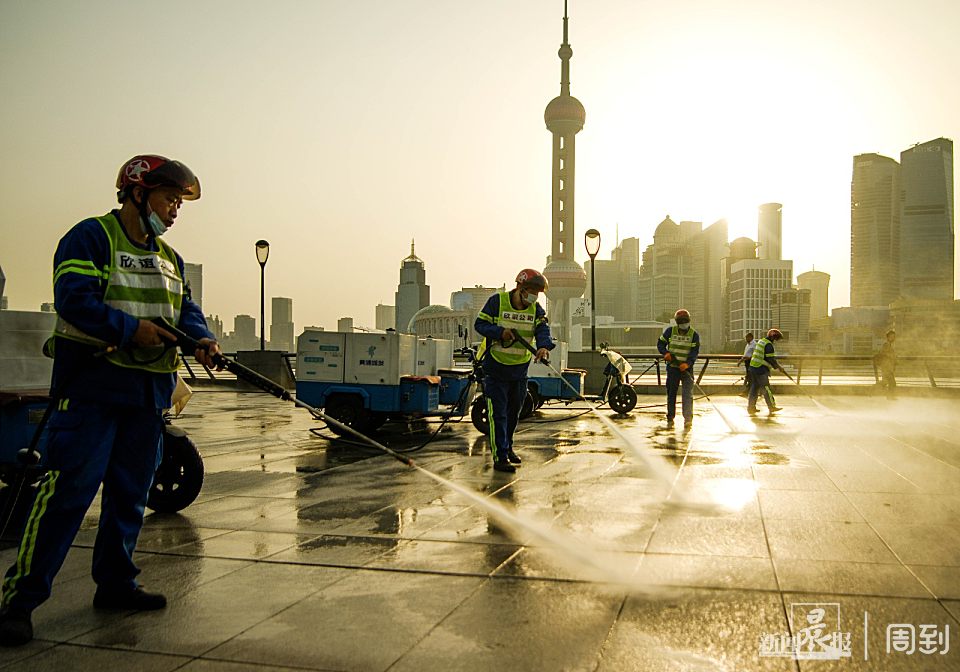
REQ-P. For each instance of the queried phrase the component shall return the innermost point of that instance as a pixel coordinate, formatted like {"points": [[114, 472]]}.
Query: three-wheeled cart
{"points": [[366, 379], [176, 484]]}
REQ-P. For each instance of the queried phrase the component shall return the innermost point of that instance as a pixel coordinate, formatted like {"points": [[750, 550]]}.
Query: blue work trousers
{"points": [[504, 400], [88, 444], [676, 378], [760, 382]]}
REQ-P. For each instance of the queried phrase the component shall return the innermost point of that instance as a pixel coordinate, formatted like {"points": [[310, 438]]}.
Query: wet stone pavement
{"points": [[839, 525]]}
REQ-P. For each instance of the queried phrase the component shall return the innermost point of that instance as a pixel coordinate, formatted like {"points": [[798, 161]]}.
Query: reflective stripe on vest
{"points": [[679, 345], [520, 321], [139, 282], [759, 355]]}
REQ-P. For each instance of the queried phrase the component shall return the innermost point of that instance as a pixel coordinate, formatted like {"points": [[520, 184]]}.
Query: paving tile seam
{"points": [[258, 665], [896, 555]]}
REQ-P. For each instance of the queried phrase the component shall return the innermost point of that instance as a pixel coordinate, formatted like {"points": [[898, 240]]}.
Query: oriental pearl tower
{"points": [[564, 117]]}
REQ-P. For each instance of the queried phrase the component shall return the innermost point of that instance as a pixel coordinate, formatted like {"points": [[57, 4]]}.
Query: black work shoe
{"points": [[16, 629], [513, 458], [688, 423], [137, 599], [752, 411], [669, 422], [775, 409], [503, 465]]}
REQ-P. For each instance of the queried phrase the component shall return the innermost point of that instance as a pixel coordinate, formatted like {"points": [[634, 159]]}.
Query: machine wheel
{"points": [[350, 411], [528, 407], [622, 398], [537, 399], [478, 415], [180, 475]]}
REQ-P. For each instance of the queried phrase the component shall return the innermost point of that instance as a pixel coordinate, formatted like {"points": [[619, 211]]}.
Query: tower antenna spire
{"points": [[565, 53]]}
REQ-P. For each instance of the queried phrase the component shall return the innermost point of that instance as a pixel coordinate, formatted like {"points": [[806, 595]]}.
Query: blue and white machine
{"points": [[364, 379]]}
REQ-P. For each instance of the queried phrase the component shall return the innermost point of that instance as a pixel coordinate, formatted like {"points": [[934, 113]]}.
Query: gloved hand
{"points": [[668, 357], [683, 367], [543, 355]]}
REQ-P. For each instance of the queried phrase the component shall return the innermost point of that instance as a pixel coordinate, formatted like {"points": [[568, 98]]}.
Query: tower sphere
{"points": [[567, 279], [564, 110]]}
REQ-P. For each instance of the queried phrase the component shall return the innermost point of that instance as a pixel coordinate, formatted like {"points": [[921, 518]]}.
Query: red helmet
{"points": [[682, 313], [774, 334], [532, 279], [151, 171]]}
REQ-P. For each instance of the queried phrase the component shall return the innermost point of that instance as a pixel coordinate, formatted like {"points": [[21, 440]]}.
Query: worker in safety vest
{"points": [[680, 346], [762, 361], [505, 316], [113, 376]]}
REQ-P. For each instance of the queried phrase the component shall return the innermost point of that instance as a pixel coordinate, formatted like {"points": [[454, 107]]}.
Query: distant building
{"points": [[193, 275], [751, 285], [818, 283], [738, 250], [617, 282], [911, 320], [281, 324], [683, 269], [857, 330], [244, 336], [473, 298], [443, 322], [215, 325], [345, 324], [385, 317], [926, 221], [790, 313], [413, 292], [874, 231], [770, 231]]}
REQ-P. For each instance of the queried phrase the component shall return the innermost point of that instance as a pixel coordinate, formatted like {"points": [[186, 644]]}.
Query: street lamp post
{"points": [[592, 240], [263, 251]]}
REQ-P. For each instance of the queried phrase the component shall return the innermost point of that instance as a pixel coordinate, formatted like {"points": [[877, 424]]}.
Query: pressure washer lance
{"points": [[582, 554], [730, 425], [663, 471], [809, 396]]}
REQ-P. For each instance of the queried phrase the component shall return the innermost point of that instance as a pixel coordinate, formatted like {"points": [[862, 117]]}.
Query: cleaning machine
{"points": [[365, 379]]}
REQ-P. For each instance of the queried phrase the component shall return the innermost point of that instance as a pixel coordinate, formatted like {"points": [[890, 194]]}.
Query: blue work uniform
{"points": [[505, 367], [108, 421], [683, 347], [761, 362]]}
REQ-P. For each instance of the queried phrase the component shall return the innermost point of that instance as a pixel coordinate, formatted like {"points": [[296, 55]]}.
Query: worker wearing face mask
{"points": [[680, 346], [113, 374], [505, 316]]}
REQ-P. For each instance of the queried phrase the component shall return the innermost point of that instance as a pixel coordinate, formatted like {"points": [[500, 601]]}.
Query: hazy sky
{"points": [[340, 130]]}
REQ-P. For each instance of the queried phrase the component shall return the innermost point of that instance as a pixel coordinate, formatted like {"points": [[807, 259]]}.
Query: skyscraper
{"points": [[193, 274], [926, 221], [413, 292], [281, 324], [818, 283], [874, 231], [770, 231], [385, 317], [752, 284], [564, 118]]}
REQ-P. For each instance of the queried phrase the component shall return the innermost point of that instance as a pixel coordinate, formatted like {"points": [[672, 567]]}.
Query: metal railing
{"points": [[932, 371], [719, 369]]}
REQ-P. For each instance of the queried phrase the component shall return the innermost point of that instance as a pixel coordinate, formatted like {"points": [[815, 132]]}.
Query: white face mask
{"points": [[528, 299], [684, 326], [153, 226]]}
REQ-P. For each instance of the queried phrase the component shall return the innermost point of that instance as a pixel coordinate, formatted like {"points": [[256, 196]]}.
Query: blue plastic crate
{"points": [[453, 383], [419, 395]]}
